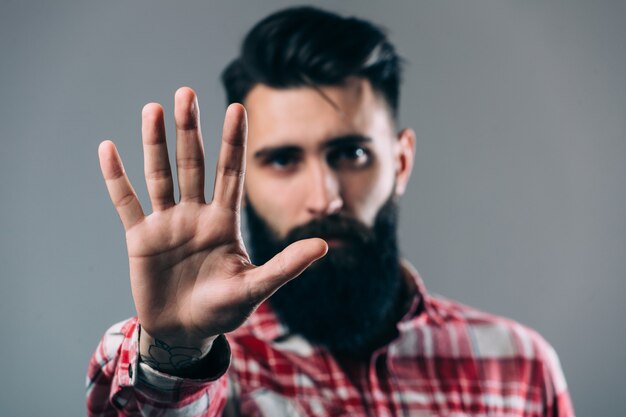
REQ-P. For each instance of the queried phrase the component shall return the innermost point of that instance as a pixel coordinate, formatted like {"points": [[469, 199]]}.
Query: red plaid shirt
{"points": [[448, 360]]}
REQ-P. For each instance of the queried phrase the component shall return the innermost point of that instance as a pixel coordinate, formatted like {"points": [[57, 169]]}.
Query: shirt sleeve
{"points": [[119, 385], [558, 401]]}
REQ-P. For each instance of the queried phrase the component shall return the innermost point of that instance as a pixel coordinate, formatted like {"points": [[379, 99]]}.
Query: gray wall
{"points": [[516, 205]]}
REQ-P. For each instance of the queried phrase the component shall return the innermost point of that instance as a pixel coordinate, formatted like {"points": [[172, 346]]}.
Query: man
{"points": [[356, 334]]}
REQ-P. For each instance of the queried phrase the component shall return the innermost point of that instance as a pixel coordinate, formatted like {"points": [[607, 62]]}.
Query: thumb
{"points": [[287, 265]]}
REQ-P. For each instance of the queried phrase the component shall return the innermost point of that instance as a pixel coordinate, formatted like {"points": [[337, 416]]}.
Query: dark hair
{"points": [[306, 46]]}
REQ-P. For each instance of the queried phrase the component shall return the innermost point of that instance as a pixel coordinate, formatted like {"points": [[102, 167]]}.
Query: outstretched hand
{"points": [[191, 276]]}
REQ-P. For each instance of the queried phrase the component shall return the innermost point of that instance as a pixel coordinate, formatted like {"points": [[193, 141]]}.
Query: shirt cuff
{"points": [[161, 387], [211, 367]]}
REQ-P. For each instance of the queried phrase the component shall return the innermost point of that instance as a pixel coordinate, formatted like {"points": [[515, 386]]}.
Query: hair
{"points": [[307, 46]]}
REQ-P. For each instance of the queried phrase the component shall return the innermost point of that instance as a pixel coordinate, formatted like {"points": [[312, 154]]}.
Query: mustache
{"points": [[338, 226]]}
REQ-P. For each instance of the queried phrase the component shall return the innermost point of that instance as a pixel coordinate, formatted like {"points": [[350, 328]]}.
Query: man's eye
{"points": [[349, 157], [281, 161]]}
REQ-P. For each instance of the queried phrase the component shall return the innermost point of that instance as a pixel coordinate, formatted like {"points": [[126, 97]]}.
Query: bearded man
{"points": [[356, 333]]}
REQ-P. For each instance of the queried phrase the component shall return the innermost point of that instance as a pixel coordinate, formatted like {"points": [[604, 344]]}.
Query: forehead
{"points": [[305, 115]]}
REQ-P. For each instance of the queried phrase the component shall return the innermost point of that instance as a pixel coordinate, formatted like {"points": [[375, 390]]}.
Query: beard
{"points": [[350, 300]]}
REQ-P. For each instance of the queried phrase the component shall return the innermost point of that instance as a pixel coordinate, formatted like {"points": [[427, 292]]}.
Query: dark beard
{"points": [[350, 300]]}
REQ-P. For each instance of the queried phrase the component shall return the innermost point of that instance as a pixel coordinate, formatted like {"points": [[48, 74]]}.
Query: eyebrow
{"points": [[269, 151], [351, 139]]}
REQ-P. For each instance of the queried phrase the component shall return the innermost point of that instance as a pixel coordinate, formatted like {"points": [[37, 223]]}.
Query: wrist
{"points": [[175, 356]]}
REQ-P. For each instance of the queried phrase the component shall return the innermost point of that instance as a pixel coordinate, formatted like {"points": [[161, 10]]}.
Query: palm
{"points": [[191, 276], [193, 260]]}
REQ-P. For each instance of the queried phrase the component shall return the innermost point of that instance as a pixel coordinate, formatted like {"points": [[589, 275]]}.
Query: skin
{"points": [[191, 276], [346, 158]]}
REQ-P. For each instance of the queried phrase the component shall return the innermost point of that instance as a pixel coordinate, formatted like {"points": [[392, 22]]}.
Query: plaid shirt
{"points": [[448, 360]]}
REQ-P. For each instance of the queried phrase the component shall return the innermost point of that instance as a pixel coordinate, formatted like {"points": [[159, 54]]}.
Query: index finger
{"points": [[231, 165]]}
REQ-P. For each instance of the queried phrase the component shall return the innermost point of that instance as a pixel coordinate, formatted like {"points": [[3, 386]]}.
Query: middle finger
{"points": [[156, 162], [189, 148]]}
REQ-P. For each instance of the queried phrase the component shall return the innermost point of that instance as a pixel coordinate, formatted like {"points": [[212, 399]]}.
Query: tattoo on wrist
{"points": [[164, 357]]}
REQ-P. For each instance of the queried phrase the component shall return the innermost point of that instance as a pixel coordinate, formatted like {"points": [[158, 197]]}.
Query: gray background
{"points": [[516, 204]]}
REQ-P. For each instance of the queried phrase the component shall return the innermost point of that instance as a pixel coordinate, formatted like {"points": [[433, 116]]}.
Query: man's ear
{"points": [[405, 152]]}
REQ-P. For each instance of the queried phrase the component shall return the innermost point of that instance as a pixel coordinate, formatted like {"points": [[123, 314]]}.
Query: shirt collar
{"points": [[423, 307]]}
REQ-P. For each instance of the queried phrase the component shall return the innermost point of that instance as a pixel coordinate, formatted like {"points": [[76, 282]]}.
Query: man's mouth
{"points": [[334, 241], [338, 240]]}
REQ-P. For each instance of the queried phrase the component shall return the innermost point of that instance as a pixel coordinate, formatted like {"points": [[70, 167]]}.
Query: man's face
{"points": [[316, 152], [326, 163]]}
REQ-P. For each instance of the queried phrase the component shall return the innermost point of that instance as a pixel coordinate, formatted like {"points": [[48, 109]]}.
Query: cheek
{"points": [[275, 200], [365, 192]]}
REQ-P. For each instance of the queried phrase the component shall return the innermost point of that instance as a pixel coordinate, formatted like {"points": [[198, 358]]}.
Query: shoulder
{"points": [[491, 334], [486, 336]]}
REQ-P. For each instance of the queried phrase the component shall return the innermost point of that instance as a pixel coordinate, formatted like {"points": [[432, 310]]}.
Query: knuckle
{"points": [[187, 122], [124, 200], [190, 163], [231, 171], [114, 173], [159, 174], [282, 267]]}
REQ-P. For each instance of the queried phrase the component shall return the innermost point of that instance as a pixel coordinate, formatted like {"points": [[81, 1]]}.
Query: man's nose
{"points": [[323, 195]]}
